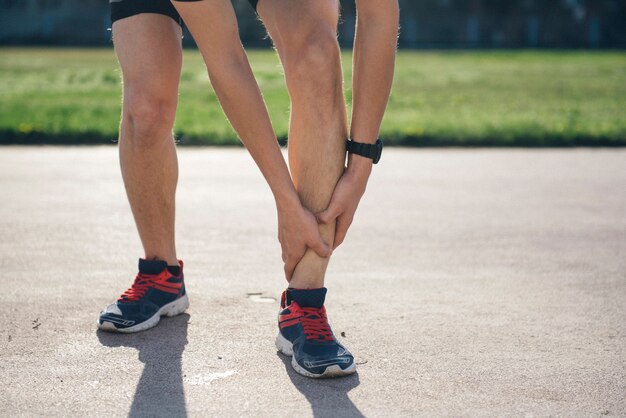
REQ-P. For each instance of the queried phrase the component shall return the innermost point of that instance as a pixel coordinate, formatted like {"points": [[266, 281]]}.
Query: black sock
{"points": [[308, 298], [151, 266], [174, 270]]}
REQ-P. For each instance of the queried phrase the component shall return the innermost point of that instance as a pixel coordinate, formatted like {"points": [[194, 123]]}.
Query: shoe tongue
{"points": [[151, 266], [309, 298]]}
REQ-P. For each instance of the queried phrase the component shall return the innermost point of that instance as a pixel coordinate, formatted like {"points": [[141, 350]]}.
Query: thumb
{"points": [[320, 247]]}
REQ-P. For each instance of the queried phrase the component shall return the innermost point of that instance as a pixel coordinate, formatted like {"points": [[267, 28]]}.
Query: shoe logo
{"points": [[289, 322], [123, 322], [168, 287], [327, 362]]}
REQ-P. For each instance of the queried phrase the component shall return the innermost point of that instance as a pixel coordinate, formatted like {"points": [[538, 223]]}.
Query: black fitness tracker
{"points": [[372, 151]]}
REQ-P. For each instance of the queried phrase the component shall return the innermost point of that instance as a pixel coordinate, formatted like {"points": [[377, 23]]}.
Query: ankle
{"points": [[171, 259], [302, 283], [308, 277]]}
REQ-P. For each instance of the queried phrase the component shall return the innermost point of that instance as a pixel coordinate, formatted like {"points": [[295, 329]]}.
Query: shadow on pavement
{"points": [[160, 389], [328, 397]]}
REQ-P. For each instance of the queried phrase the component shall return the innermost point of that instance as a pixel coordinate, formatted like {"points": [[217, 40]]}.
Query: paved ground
{"points": [[474, 282]]}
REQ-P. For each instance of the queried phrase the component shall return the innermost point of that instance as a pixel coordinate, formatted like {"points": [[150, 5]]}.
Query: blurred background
{"points": [[425, 23], [470, 72]]}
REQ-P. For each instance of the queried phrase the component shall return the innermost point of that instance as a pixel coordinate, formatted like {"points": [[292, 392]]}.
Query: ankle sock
{"points": [[151, 266], [157, 266], [308, 298], [174, 270]]}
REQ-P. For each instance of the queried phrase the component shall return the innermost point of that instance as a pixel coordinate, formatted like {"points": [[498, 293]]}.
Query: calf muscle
{"points": [[149, 52], [304, 33]]}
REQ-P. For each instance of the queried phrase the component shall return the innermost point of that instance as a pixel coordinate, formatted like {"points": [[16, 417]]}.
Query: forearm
{"points": [[237, 90], [243, 104], [373, 68]]}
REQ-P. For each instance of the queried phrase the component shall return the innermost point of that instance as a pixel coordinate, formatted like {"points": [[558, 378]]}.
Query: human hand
{"points": [[297, 231], [344, 202]]}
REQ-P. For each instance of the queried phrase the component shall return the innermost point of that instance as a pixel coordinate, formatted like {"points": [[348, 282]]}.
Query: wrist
{"points": [[287, 201], [359, 166]]}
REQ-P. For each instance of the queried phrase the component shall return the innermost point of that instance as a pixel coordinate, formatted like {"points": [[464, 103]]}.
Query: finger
{"points": [[341, 230], [320, 247], [290, 267]]}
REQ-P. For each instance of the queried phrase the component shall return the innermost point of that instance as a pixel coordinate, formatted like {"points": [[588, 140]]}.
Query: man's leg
{"points": [[148, 48], [304, 32], [305, 35]]}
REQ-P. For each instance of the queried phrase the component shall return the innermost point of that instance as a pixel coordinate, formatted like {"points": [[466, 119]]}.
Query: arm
{"points": [[240, 97], [373, 67]]}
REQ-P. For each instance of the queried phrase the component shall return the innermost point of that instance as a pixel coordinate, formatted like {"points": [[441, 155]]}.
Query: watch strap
{"points": [[371, 151]]}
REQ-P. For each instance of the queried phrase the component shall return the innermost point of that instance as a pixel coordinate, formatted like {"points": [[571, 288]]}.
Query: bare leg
{"points": [[148, 48], [304, 33]]}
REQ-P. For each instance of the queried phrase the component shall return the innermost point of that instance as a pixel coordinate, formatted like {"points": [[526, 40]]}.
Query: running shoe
{"points": [[156, 292], [305, 335]]}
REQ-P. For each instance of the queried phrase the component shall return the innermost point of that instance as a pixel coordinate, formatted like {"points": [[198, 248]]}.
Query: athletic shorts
{"points": [[126, 8]]}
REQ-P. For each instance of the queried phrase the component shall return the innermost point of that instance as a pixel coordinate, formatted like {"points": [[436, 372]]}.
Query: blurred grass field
{"points": [[494, 98]]}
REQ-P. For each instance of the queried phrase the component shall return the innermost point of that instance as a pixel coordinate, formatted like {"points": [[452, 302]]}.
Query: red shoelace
{"points": [[142, 283], [315, 324]]}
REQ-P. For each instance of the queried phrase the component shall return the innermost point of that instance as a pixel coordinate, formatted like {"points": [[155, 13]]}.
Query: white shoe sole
{"points": [[174, 308], [285, 347]]}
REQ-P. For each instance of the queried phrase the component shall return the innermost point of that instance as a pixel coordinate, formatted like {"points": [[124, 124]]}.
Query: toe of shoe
{"points": [[332, 365], [106, 326]]}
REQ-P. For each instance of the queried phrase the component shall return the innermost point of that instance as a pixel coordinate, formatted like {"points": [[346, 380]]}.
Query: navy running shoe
{"points": [[305, 335], [155, 292]]}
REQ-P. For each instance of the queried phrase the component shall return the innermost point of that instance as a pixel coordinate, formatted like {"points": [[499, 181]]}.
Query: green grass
{"points": [[499, 98]]}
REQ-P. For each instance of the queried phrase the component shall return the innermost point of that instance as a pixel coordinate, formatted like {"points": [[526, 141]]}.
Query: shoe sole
{"points": [[174, 308], [286, 347]]}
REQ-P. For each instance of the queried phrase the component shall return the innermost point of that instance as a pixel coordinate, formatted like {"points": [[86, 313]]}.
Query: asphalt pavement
{"points": [[474, 282]]}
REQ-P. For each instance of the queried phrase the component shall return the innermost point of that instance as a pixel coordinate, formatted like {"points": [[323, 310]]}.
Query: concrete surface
{"points": [[474, 283]]}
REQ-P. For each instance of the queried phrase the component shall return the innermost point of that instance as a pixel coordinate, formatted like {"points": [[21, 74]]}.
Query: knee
{"points": [[148, 119], [313, 59]]}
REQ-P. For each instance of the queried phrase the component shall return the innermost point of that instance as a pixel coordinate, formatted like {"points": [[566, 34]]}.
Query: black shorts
{"points": [[126, 8]]}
